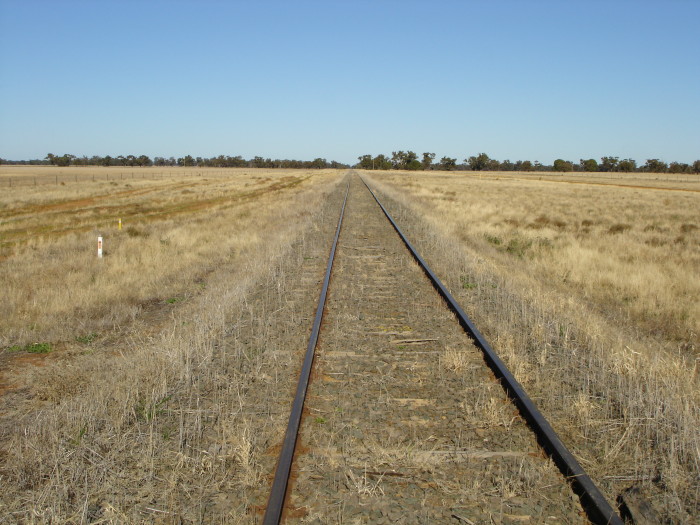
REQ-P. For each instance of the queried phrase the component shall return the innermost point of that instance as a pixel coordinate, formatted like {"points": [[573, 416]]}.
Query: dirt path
{"points": [[404, 423]]}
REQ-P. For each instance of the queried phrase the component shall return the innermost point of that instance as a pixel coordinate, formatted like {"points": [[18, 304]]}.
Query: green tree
{"points": [[627, 165], [563, 165], [51, 158], [609, 164], [448, 164], [381, 162], [144, 160], [405, 160], [365, 162], [589, 165], [696, 166], [64, 160], [655, 166], [427, 160], [187, 161], [398, 159], [479, 162], [524, 165], [319, 163], [679, 167]]}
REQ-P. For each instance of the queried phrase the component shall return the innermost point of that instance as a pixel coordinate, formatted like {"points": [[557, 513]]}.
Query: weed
{"points": [[518, 246], [319, 420], [493, 239], [76, 441], [147, 412], [86, 339], [467, 284], [174, 300], [34, 348]]}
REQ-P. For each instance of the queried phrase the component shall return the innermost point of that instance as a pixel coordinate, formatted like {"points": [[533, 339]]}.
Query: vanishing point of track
{"points": [[389, 376]]}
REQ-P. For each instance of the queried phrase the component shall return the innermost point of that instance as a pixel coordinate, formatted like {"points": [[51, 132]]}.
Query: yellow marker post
{"points": [[120, 224]]}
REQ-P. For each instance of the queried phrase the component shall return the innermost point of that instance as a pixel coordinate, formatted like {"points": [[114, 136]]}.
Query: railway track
{"points": [[397, 420]]}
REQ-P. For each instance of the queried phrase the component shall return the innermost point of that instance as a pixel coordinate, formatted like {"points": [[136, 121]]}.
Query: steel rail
{"points": [[275, 503], [594, 503]]}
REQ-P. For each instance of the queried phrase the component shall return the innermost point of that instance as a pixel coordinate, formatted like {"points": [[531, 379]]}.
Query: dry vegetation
{"points": [[142, 387], [131, 385], [589, 289], [175, 230]]}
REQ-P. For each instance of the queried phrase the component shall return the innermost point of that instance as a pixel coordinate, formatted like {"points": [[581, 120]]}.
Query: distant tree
{"points": [[64, 160], [258, 162], [609, 164], [427, 160], [563, 165], [144, 160], [398, 159], [186, 161], [589, 165], [627, 165], [381, 162], [506, 165], [523, 165], [319, 163], [655, 166], [412, 162], [493, 165], [365, 162], [51, 158], [679, 167], [405, 160], [447, 163], [696, 166], [479, 162]]}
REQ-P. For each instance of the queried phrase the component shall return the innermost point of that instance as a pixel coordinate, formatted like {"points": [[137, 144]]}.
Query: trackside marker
{"points": [[99, 247]]}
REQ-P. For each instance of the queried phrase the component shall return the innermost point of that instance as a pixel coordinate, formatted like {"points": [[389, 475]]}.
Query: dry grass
{"points": [[588, 288], [160, 413], [175, 232]]}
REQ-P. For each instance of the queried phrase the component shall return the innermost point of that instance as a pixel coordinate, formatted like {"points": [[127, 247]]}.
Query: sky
{"points": [[518, 80]]}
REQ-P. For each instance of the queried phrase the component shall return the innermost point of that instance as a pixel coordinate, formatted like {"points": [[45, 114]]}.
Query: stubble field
{"points": [[146, 386]]}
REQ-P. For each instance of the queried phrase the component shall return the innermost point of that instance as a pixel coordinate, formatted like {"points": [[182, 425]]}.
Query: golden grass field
{"points": [[92, 350], [175, 229], [587, 286]]}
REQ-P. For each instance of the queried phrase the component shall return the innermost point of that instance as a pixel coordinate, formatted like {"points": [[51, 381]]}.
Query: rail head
{"points": [[278, 492]]}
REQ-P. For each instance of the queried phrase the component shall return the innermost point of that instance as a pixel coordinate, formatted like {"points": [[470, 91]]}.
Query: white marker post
{"points": [[99, 247]]}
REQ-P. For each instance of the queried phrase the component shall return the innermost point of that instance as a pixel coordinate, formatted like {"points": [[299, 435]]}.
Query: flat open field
{"points": [[153, 385], [588, 286]]}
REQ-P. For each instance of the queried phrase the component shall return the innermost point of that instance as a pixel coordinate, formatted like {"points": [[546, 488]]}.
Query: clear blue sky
{"points": [[534, 80]]}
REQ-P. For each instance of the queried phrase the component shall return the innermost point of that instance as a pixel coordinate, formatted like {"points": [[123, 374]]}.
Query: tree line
{"points": [[222, 161], [409, 160], [399, 160]]}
